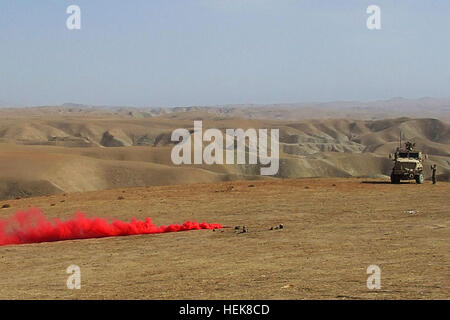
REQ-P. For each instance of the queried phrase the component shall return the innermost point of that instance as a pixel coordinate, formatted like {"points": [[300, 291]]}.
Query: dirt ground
{"points": [[333, 230]]}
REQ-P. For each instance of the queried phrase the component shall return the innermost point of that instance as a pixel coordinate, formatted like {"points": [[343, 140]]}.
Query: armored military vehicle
{"points": [[408, 164]]}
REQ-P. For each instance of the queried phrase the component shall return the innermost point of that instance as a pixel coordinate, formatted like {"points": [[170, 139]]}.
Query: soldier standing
{"points": [[433, 176]]}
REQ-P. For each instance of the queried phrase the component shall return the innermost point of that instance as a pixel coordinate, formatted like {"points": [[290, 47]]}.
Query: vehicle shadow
{"points": [[384, 182], [376, 182]]}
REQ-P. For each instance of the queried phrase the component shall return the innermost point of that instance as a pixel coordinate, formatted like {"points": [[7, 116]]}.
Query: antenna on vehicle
{"points": [[400, 139]]}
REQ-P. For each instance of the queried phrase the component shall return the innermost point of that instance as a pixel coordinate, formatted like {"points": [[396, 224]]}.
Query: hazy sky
{"points": [[207, 52]]}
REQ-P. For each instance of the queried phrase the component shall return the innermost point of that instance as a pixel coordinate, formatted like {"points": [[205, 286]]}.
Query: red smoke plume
{"points": [[32, 226]]}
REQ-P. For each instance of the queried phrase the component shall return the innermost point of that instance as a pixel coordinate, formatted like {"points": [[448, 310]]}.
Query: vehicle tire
{"points": [[419, 179], [395, 179]]}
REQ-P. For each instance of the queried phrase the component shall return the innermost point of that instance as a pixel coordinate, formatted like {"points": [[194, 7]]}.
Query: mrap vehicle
{"points": [[408, 164]]}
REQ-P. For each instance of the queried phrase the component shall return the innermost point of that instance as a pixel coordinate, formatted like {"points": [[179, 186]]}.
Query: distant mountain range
{"points": [[4, 104], [426, 107], [382, 109]]}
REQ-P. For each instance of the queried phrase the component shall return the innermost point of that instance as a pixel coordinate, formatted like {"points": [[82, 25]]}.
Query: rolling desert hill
{"points": [[43, 151]]}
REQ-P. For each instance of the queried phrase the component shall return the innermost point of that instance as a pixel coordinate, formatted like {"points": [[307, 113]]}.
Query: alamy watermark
{"points": [[73, 22], [213, 153], [374, 20], [74, 280], [374, 280]]}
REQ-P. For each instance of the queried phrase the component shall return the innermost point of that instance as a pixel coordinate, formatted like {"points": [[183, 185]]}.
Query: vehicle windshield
{"points": [[414, 155]]}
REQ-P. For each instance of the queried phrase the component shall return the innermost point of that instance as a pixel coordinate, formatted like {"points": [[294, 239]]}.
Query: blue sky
{"points": [[209, 52]]}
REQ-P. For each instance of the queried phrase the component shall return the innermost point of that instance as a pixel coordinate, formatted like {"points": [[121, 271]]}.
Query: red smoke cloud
{"points": [[32, 226]]}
